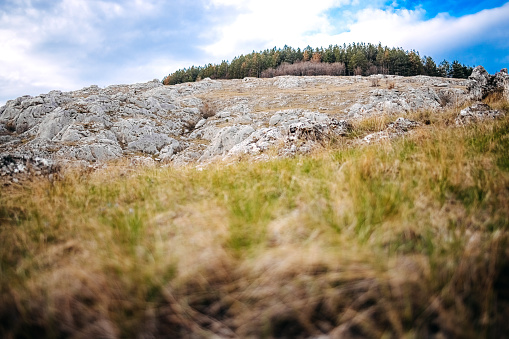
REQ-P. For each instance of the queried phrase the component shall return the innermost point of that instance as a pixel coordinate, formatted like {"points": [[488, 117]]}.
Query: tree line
{"points": [[351, 59]]}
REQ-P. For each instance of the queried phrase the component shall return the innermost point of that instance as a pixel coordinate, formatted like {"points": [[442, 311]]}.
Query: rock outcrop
{"points": [[398, 128], [16, 168], [481, 84], [476, 113], [95, 124], [202, 121]]}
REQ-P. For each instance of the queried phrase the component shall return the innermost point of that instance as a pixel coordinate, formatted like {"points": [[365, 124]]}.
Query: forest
{"points": [[346, 60]]}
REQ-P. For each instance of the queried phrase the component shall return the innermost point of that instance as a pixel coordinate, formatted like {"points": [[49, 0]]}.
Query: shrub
{"points": [[207, 110]]}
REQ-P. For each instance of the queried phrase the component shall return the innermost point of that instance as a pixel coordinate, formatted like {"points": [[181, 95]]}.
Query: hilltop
{"points": [[218, 119], [351, 59]]}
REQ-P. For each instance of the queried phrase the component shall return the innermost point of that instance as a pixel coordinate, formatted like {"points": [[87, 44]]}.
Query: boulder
{"points": [[169, 150], [226, 138], [398, 128], [15, 167], [481, 84], [306, 130], [53, 123], [258, 142], [150, 143], [477, 112]]}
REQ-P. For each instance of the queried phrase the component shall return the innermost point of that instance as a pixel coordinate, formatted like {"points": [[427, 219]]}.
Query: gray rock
{"points": [[226, 139], [398, 128], [100, 150], [402, 125], [149, 143], [53, 123], [200, 123], [169, 150], [15, 167], [98, 124], [481, 83], [258, 142], [307, 130], [477, 112]]}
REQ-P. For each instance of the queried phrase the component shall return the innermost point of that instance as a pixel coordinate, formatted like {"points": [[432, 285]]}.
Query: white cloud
{"points": [[408, 29], [45, 48], [269, 23], [72, 43]]}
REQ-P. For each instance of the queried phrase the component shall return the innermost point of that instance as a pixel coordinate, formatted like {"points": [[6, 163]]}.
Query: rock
{"points": [[306, 130], [94, 125], [200, 123], [402, 125], [149, 143], [16, 167], [477, 112], [341, 127], [142, 161], [53, 123], [285, 118], [324, 128], [226, 139], [167, 151], [95, 151], [398, 128], [259, 141], [481, 83]]}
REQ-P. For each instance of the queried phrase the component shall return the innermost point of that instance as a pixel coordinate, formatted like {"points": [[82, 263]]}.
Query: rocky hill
{"points": [[208, 120], [395, 225]]}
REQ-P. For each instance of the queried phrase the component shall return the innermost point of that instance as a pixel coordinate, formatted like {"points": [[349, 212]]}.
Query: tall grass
{"points": [[406, 238]]}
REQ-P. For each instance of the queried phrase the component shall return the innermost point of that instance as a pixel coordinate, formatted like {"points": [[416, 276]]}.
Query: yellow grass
{"points": [[399, 239]]}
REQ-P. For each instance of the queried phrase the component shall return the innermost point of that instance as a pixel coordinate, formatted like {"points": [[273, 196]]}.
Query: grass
{"points": [[406, 238]]}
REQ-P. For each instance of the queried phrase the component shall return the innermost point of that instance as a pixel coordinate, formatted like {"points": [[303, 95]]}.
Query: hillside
{"points": [[210, 119], [290, 207]]}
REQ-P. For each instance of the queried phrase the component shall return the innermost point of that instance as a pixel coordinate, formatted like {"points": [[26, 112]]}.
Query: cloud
{"points": [[409, 29], [268, 23], [43, 47], [70, 44]]}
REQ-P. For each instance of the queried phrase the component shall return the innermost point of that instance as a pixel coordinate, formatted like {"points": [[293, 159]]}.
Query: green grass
{"points": [[406, 238]]}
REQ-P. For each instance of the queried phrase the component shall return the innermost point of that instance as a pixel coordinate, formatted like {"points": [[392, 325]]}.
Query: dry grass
{"points": [[400, 239]]}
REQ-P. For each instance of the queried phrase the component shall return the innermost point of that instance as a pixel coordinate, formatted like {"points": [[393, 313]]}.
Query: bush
{"points": [[207, 110]]}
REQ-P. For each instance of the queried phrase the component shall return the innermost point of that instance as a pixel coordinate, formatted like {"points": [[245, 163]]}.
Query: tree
{"points": [[416, 67], [317, 57], [444, 69], [358, 61], [354, 58], [430, 68]]}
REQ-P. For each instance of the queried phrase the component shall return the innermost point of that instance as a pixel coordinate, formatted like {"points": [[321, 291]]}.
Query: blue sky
{"points": [[70, 44]]}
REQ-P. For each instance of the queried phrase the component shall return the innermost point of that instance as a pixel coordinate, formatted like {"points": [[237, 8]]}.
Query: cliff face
{"points": [[197, 122]]}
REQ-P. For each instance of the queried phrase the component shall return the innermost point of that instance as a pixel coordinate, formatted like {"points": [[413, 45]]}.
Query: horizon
{"points": [[70, 44]]}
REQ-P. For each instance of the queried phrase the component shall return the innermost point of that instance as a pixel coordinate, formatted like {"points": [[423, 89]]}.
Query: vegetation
{"points": [[399, 239], [354, 59]]}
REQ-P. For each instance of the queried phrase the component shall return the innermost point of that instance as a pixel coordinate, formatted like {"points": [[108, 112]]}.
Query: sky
{"points": [[70, 44]]}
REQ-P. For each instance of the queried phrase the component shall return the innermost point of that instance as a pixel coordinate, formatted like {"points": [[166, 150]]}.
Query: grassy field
{"points": [[400, 239]]}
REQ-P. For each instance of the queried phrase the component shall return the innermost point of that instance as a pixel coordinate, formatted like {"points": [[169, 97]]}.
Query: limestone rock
{"points": [[481, 83], [289, 114], [259, 141], [53, 123], [398, 128], [169, 150], [226, 139], [477, 112], [15, 167], [150, 143]]}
